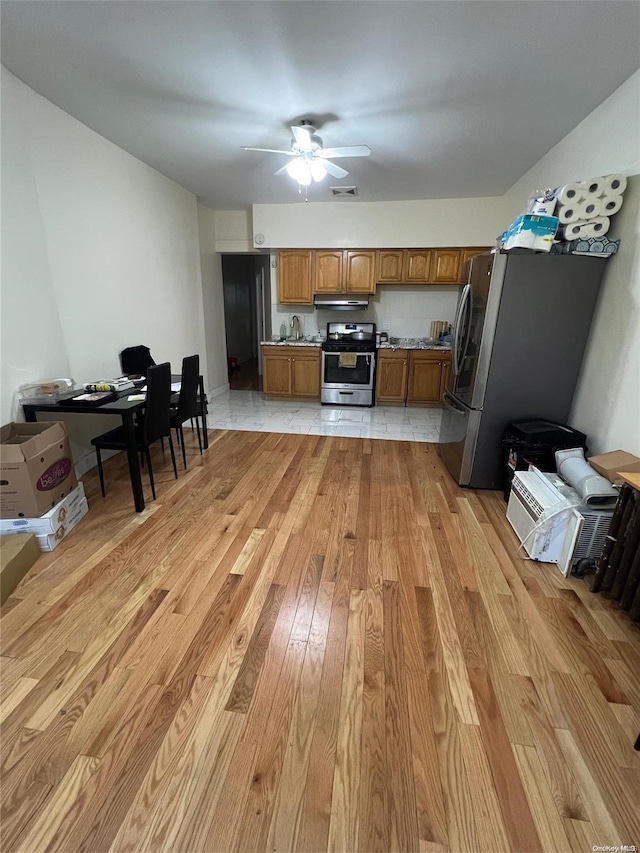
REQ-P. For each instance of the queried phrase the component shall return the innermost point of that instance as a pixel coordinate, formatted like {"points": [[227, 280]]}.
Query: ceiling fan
{"points": [[310, 159]]}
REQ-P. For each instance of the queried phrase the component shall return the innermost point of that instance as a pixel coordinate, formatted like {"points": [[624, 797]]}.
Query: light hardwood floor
{"points": [[312, 643]]}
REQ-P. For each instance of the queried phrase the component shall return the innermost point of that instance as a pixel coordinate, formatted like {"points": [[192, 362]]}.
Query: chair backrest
{"points": [[136, 360], [157, 410], [188, 399]]}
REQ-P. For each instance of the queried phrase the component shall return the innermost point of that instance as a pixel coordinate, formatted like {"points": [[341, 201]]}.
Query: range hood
{"points": [[341, 302]]}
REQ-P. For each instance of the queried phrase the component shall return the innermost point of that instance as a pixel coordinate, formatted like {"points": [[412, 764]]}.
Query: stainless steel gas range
{"points": [[349, 364]]}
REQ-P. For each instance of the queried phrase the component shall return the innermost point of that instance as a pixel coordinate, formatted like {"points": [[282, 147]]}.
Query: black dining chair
{"points": [[154, 426], [135, 361], [188, 406]]}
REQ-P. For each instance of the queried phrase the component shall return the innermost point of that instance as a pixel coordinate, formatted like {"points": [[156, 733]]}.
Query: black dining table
{"points": [[127, 410]]}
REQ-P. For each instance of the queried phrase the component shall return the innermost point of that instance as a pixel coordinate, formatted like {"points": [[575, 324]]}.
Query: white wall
{"points": [[213, 302], [408, 309], [379, 225], [233, 231], [101, 251], [607, 401]]}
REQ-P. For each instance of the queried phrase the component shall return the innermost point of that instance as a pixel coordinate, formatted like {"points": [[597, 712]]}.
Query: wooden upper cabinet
{"points": [[389, 266], [445, 266], [294, 278], [417, 266], [360, 272], [466, 255], [327, 272]]}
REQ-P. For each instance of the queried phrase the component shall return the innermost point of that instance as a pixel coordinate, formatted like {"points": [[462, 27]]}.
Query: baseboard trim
{"points": [[217, 391]]}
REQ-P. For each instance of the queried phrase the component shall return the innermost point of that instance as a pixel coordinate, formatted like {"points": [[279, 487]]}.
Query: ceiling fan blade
{"points": [[302, 137], [336, 171], [282, 171], [269, 150], [347, 151]]}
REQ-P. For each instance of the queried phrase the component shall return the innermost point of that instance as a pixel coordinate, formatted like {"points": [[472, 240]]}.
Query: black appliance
{"points": [[348, 381], [535, 443]]}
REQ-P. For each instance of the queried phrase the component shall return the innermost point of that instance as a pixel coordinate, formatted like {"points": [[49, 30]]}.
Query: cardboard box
{"points": [[50, 541], [610, 464], [50, 521], [17, 555], [36, 468]]}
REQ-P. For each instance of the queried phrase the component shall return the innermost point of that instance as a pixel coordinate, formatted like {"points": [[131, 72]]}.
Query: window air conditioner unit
{"points": [[571, 534]]}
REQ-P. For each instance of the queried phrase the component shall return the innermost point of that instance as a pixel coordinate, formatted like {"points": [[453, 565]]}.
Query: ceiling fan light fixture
{"points": [[299, 170], [318, 170]]}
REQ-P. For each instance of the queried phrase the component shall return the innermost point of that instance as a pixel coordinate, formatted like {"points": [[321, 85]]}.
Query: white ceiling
{"points": [[456, 99]]}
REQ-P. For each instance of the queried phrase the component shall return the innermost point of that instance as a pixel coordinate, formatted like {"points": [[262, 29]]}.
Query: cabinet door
{"points": [[466, 255], [389, 266], [391, 379], [360, 272], [425, 379], [305, 373], [277, 374], [294, 278], [446, 266], [417, 265], [327, 270]]}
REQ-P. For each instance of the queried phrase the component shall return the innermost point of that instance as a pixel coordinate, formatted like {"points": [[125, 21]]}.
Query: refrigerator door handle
{"points": [[466, 292], [450, 403]]}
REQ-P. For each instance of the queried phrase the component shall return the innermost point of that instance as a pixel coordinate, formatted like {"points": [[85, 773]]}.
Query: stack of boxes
{"points": [[39, 492]]}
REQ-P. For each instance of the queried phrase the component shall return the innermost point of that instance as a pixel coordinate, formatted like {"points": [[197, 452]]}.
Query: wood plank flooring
{"points": [[312, 644]]}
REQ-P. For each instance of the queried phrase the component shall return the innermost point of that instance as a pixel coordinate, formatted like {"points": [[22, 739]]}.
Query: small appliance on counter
{"points": [[348, 364]]}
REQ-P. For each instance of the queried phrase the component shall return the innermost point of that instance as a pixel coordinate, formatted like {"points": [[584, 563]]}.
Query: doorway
{"points": [[247, 316]]}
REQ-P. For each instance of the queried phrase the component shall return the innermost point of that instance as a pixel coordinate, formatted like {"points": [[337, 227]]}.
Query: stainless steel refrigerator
{"points": [[521, 328]]}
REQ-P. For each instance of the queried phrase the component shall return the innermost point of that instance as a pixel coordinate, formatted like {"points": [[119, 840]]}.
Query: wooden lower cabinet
{"points": [[305, 375], [425, 378], [412, 377], [291, 371], [391, 376]]}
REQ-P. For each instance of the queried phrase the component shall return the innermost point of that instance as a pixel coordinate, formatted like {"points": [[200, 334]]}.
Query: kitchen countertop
{"points": [[402, 343], [413, 343], [291, 343]]}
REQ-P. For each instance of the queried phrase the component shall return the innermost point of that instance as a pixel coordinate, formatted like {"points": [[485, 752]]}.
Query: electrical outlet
{"points": [[386, 327]]}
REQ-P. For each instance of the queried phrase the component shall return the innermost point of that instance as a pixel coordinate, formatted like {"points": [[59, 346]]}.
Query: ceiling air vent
{"points": [[344, 191]]}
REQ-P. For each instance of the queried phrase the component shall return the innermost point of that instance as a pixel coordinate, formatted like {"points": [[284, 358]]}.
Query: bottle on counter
{"points": [[283, 332]]}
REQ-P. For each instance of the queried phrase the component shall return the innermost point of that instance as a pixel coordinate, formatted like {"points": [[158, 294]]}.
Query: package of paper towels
{"points": [[595, 491], [531, 232]]}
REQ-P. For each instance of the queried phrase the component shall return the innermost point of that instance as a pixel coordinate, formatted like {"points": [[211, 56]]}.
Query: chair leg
{"points": [[162, 444], [199, 438], [153, 485], [173, 456], [184, 451], [142, 458], [100, 472]]}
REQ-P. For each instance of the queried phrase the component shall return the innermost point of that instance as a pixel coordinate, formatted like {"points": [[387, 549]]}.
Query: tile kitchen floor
{"points": [[248, 410]]}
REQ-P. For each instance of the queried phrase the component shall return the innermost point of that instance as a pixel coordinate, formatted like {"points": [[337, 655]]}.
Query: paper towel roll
{"points": [[570, 193], [591, 208], [614, 184], [598, 227], [593, 188], [582, 229], [611, 204], [567, 213]]}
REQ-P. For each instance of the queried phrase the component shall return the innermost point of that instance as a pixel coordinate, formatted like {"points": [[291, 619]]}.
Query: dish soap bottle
{"points": [[283, 332]]}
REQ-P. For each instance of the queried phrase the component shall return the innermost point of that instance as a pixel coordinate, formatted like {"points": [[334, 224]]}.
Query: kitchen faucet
{"points": [[295, 327]]}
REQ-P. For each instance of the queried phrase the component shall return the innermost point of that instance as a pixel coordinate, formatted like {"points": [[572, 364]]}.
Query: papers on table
{"points": [[135, 398], [175, 386]]}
